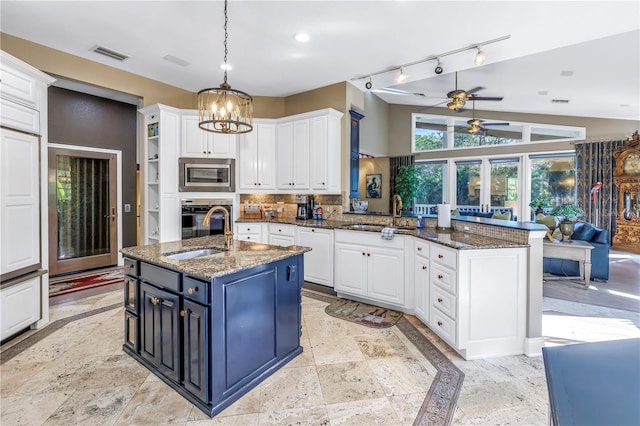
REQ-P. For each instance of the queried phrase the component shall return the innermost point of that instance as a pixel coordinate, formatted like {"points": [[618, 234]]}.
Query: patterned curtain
{"points": [[394, 164], [595, 163]]}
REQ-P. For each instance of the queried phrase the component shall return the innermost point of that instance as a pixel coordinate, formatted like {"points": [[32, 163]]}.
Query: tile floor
{"points": [[347, 375]]}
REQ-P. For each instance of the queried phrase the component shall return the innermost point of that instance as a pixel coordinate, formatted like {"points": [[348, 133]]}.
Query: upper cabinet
{"points": [[198, 143], [308, 152], [257, 157]]}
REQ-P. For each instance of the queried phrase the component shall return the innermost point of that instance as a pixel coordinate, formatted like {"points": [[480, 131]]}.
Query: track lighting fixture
{"points": [[368, 84], [479, 58], [439, 69]]}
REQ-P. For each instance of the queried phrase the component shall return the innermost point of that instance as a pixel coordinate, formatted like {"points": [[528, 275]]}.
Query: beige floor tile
{"points": [[305, 358], [290, 388], [16, 411], [15, 374], [305, 416], [248, 404], [348, 381], [407, 406], [239, 420], [330, 350], [116, 370], [369, 412], [155, 403], [388, 345], [401, 375]]}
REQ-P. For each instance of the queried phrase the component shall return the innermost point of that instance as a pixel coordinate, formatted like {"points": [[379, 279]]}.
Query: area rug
{"points": [[70, 284], [361, 313]]}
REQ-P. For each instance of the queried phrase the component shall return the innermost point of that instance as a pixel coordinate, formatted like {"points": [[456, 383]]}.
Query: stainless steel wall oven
{"points": [[194, 211]]}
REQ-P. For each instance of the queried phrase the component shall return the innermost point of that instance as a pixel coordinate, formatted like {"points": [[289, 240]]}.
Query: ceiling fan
{"points": [[476, 125], [460, 97]]}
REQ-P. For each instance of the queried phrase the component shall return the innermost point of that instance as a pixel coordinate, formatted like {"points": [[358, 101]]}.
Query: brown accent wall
{"points": [[332, 96], [89, 121]]}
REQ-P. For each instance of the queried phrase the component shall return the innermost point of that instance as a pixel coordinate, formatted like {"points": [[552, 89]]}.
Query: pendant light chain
{"points": [[226, 35]]}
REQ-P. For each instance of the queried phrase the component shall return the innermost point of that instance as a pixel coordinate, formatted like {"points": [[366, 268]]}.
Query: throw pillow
{"points": [[483, 214], [549, 221], [456, 212], [583, 231], [601, 236], [502, 216]]}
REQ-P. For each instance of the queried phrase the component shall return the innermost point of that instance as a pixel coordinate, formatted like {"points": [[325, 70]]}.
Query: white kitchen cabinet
{"points": [[19, 201], [161, 201], [421, 280], [293, 155], [366, 265], [198, 143], [253, 232], [257, 158], [318, 263], [19, 306], [282, 234], [442, 292], [324, 150]]}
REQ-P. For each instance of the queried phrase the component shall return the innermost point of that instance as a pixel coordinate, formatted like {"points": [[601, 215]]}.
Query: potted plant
{"points": [[407, 184], [539, 203], [568, 214]]}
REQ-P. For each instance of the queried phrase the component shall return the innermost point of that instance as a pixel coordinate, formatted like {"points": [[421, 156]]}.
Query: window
{"points": [[553, 176], [432, 175], [436, 132]]}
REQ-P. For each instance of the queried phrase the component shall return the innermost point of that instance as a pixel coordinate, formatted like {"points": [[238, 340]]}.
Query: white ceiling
{"points": [[598, 40]]}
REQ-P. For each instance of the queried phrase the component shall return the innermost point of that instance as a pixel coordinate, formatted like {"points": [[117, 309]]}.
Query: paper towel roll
{"points": [[444, 215]]}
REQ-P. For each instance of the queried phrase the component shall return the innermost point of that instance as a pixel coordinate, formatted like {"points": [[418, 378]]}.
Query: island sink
{"points": [[193, 254]]}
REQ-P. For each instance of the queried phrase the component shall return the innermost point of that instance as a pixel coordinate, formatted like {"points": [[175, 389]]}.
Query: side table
{"points": [[571, 250]]}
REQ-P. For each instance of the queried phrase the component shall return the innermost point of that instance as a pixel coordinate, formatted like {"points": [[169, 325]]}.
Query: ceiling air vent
{"points": [[110, 53], [560, 101]]}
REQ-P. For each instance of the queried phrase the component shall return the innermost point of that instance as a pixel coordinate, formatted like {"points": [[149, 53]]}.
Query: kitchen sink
{"points": [[193, 254], [364, 227]]}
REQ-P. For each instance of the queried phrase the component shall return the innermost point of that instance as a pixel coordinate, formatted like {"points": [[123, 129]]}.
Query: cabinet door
{"points": [[318, 153], [196, 352], [248, 160], [288, 306], [421, 288], [350, 262], [19, 307], [192, 138], [221, 145], [386, 274], [318, 263], [19, 201], [284, 150], [300, 160], [160, 330], [266, 156]]}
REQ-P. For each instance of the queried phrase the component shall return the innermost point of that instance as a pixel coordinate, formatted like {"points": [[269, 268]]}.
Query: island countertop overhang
{"points": [[241, 256]]}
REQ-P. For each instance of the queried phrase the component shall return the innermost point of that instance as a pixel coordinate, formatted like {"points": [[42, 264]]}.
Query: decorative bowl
{"points": [[360, 206]]}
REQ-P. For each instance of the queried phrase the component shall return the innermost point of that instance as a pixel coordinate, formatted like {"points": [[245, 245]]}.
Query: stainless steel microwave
{"points": [[207, 174]]}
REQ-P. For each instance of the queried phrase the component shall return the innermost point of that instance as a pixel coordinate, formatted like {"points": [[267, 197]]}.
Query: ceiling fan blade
{"points": [[485, 98], [495, 124], [475, 89]]}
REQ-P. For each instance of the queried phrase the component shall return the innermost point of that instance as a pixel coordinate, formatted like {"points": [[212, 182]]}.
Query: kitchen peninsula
{"points": [[211, 323]]}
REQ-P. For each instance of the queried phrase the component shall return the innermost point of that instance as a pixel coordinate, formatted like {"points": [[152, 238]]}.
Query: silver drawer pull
{"points": [[192, 290]]}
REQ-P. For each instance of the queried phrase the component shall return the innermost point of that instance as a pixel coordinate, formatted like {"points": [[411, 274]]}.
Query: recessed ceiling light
{"points": [[566, 73], [226, 67], [302, 37], [543, 92]]}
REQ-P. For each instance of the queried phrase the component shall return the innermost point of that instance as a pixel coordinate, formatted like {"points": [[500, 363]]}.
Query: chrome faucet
{"points": [[228, 235], [397, 209]]}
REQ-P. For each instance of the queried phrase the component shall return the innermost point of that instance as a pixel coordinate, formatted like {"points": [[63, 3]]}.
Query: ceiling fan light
{"points": [[479, 58]]}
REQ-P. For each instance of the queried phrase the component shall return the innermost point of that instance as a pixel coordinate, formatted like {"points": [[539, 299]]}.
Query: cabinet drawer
{"points": [[161, 277], [131, 331], [131, 294], [444, 301], [444, 256], [277, 229], [131, 267], [196, 290], [256, 238], [444, 277], [422, 249], [248, 228], [19, 117], [444, 326]]}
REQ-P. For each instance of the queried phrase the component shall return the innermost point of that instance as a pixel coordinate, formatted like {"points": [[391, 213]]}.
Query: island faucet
{"points": [[397, 209], [228, 235]]}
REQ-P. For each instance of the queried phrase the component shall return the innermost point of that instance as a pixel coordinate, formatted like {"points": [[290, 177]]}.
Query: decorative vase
{"points": [[566, 228]]}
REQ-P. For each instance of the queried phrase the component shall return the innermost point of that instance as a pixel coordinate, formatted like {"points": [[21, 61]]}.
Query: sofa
{"points": [[599, 239]]}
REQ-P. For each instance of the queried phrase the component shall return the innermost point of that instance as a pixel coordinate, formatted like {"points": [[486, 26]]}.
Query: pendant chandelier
{"points": [[223, 109]]}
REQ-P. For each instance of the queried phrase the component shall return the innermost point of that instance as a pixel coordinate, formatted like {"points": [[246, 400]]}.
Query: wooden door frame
{"points": [[53, 225]]}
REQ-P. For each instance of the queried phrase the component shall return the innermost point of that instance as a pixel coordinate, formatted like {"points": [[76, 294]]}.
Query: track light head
{"points": [[479, 58], [401, 77], [368, 84], [439, 69]]}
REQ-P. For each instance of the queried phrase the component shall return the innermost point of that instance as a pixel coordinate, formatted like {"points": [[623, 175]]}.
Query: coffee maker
{"points": [[305, 207]]}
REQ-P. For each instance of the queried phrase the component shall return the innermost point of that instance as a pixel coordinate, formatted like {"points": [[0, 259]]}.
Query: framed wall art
{"points": [[374, 186]]}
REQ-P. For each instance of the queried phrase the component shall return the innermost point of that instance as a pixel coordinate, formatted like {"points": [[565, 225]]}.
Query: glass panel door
{"points": [[82, 206], [468, 183], [505, 183]]}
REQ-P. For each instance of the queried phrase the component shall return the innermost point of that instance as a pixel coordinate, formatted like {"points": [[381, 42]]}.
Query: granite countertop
{"points": [[456, 240], [241, 256]]}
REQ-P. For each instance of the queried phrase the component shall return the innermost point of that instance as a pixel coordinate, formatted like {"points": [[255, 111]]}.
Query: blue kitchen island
{"points": [[209, 322]]}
